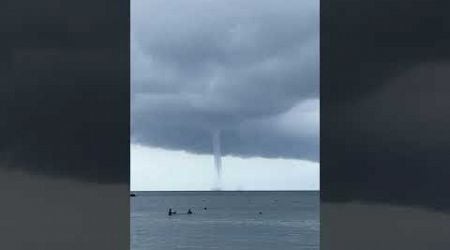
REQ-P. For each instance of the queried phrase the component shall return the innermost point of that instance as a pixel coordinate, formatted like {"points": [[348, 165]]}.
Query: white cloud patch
{"points": [[157, 169]]}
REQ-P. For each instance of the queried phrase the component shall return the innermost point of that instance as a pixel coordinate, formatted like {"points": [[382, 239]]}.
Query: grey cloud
{"points": [[238, 66]]}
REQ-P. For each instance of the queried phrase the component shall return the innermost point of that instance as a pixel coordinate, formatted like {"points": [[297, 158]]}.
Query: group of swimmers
{"points": [[173, 212]]}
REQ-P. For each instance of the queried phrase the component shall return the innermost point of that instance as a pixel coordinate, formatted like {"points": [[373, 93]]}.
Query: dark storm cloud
{"points": [[384, 102], [249, 68]]}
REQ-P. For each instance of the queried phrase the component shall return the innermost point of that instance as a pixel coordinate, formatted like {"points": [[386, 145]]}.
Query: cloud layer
{"points": [[248, 68]]}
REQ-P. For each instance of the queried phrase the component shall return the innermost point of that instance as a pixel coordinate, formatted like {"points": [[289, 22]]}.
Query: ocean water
{"points": [[288, 220]]}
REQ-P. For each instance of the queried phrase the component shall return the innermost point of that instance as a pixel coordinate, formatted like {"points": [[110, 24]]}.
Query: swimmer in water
{"points": [[189, 211]]}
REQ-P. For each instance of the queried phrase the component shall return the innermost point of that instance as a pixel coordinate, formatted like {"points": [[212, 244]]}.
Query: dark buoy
{"points": [[260, 212], [205, 208], [189, 211]]}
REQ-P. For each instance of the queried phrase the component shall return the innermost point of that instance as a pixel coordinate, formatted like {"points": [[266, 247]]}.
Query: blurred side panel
{"points": [[385, 119], [64, 124]]}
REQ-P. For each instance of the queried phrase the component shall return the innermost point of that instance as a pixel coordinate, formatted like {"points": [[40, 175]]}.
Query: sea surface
{"points": [[232, 220]]}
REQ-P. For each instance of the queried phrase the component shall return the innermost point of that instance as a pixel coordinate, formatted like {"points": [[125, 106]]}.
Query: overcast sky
{"points": [[249, 69]]}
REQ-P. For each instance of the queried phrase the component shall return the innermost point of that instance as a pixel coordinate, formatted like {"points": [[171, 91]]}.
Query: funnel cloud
{"points": [[217, 154]]}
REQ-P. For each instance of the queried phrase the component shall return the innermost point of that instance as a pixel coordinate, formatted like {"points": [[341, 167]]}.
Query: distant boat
{"points": [[132, 195]]}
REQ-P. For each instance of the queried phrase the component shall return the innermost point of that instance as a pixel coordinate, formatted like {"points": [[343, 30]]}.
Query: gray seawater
{"points": [[289, 220]]}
